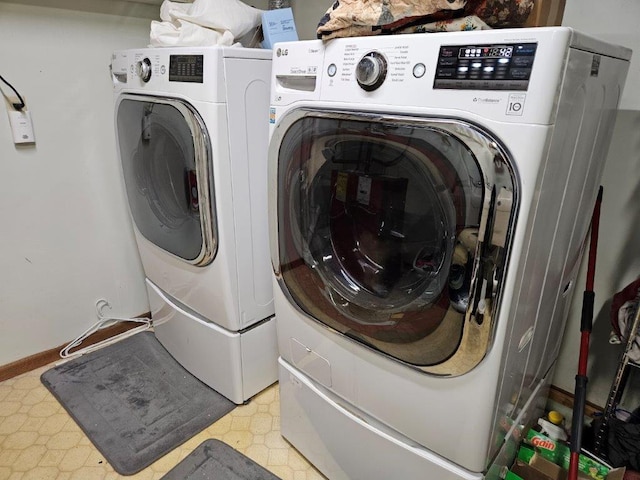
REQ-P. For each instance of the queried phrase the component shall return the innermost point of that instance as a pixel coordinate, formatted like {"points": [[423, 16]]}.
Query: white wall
{"points": [[307, 14], [618, 256], [66, 239]]}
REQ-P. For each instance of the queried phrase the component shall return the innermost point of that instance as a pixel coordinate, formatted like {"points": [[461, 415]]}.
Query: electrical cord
{"points": [[17, 106], [103, 322]]}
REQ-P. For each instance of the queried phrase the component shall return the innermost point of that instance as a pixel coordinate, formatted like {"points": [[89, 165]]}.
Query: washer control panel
{"points": [[485, 67], [371, 64]]}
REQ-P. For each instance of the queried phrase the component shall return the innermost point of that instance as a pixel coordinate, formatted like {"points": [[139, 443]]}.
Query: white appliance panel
{"points": [[369, 380], [216, 318], [394, 394], [248, 183], [236, 365], [346, 444], [212, 87], [554, 121], [199, 345], [568, 187], [403, 87]]}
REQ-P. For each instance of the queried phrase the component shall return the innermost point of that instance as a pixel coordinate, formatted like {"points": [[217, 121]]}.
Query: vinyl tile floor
{"points": [[39, 440]]}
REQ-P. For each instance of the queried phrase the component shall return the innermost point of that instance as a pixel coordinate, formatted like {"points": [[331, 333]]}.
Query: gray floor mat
{"points": [[134, 401], [213, 459]]}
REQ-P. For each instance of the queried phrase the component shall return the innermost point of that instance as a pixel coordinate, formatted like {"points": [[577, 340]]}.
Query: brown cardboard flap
{"points": [[528, 472], [550, 469], [616, 474]]}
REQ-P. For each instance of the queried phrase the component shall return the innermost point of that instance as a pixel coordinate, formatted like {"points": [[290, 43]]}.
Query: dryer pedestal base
{"points": [[345, 445], [235, 364]]}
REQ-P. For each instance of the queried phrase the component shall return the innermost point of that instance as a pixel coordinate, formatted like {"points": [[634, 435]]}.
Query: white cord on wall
{"points": [[103, 322]]}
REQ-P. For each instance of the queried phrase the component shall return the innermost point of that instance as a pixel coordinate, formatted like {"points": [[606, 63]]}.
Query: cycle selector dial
{"points": [[371, 71], [143, 68]]}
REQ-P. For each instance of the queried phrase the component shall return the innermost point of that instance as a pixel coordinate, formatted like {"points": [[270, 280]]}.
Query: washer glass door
{"points": [[394, 232], [165, 154]]}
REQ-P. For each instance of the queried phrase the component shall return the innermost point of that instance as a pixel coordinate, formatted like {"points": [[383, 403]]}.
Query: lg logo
{"points": [[282, 52]]}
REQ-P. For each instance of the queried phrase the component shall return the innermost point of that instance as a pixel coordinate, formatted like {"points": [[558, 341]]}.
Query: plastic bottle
{"points": [[552, 426]]}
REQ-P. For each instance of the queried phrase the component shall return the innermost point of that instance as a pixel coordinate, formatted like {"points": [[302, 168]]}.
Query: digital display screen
{"points": [[498, 66], [505, 51], [186, 68]]}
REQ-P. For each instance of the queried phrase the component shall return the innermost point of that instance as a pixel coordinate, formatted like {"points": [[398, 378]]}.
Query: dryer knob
{"points": [[143, 69], [371, 71]]}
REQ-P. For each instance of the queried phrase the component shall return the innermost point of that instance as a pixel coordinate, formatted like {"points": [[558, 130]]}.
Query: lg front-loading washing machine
{"points": [[430, 196], [192, 134]]}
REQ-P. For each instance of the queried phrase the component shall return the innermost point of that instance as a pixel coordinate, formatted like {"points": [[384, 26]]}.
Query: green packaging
{"points": [[560, 454], [512, 476], [525, 454]]}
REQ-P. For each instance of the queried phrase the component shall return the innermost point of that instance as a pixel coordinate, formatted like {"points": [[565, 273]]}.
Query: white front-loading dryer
{"points": [[429, 200], [192, 138]]}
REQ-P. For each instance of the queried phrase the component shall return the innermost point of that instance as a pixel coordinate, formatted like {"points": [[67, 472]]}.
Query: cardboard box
{"points": [[542, 469], [542, 458], [538, 469], [560, 454]]}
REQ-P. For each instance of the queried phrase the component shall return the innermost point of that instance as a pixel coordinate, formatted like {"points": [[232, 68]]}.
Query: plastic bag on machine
{"points": [[203, 22]]}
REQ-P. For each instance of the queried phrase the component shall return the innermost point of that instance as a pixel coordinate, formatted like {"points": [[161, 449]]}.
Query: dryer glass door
{"points": [[394, 232], [165, 154]]}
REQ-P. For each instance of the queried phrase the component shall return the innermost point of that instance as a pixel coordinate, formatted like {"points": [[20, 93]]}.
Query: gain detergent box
{"points": [[560, 454]]}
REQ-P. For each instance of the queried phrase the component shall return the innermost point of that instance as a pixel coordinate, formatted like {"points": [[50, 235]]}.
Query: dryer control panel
{"points": [[186, 68], [485, 67]]}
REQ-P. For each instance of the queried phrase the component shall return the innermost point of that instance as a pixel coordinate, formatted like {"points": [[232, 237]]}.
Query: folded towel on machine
{"points": [[204, 22]]}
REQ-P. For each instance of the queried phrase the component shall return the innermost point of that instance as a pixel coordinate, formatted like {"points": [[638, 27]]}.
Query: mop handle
{"points": [[586, 324]]}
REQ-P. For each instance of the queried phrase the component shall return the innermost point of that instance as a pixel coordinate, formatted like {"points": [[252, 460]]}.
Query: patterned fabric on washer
{"points": [[354, 18]]}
